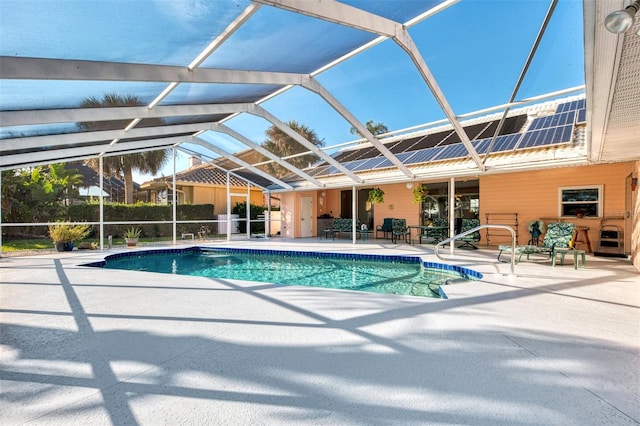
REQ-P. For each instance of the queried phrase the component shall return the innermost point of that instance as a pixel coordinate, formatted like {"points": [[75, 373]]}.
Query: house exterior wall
{"points": [[531, 194], [398, 203], [290, 211], [218, 197], [288, 217], [535, 195]]}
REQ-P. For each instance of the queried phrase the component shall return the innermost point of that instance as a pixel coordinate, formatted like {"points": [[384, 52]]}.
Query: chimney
{"points": [[194, 161]]}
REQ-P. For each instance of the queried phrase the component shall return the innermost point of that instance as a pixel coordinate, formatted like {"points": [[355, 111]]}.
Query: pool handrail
{"points": [[477, 228]]}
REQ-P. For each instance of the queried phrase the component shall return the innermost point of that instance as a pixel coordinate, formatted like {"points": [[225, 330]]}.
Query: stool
{"points": [[563, 251], [584, 232]]}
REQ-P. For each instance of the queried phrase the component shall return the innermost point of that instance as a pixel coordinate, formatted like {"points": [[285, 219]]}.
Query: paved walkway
{"points": [[86, 346]]}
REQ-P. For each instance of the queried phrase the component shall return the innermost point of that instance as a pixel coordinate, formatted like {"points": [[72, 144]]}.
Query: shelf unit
{"points": [[610, 241], [508, 219]]}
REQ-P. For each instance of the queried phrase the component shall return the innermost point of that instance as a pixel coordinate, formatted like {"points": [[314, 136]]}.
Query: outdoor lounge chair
{"points": [[559, 235]]}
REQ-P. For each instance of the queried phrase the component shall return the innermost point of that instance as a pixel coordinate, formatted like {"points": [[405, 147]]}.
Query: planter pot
{"points": [[131, 241], [64, 246]]}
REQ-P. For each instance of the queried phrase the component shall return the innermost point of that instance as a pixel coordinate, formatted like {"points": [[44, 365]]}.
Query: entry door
{"points": [[306, 227]]}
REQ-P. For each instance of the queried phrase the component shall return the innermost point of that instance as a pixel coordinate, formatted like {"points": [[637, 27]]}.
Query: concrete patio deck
{"points": [[91, 346]]}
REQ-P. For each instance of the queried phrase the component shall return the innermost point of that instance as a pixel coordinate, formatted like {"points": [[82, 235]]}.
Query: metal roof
{"points": [[195, 68]]}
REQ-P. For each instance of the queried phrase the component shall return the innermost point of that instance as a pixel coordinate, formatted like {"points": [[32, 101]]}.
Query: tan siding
{"points": [[534, 195], [398, 203]]}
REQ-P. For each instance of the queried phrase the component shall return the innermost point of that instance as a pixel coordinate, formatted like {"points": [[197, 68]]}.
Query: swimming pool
{"points": [[406, 275]]}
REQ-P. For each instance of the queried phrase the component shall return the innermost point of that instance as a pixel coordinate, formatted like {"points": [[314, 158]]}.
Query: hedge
{"points": [[143, 213]]}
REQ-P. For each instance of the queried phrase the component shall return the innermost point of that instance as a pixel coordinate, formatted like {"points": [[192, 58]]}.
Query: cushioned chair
{"points": [[385, 228], [469, 241], [559, 235], [439, 232], [400, 230]]}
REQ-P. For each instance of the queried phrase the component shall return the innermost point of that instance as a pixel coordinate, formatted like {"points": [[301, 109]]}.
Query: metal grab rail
{"points": [[477, 228]]}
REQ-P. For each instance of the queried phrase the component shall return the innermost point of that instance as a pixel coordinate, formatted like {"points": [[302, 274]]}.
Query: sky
{"points": [[476, 51], [474, 48]]}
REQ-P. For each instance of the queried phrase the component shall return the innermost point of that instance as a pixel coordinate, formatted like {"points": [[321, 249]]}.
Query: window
{"points": [[581, 201]]}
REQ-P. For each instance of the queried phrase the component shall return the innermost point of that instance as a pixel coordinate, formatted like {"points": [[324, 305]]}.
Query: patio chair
{"points": [[399, 230], [469, 241], [385, 228], [560, 235], [438, 231]]}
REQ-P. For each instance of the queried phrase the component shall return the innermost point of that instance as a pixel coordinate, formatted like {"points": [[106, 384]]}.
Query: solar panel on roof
{"points": [[424, 155], [506, 143], [582, 116], [318, 171], [481, 145], [385, 163], [571, 106], [457, 150], [559, 119], [347, 156], [352, 165], [555, 135], [367, 153], [332, 170], [404, 155], [371, 163]]}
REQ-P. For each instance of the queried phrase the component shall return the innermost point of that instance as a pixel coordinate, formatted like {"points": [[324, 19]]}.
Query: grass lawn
{"points": [[31, 244]]}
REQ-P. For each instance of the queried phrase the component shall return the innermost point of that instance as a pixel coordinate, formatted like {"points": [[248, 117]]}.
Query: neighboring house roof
{"points": [[551, 132], [91, 178], [203, 174]]}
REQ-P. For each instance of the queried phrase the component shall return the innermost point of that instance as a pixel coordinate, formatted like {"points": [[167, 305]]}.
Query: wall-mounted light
{"points": [[621, 20], [409, 185]]}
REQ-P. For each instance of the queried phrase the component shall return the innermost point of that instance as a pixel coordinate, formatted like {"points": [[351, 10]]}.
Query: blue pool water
{"points": [[373, 273]]}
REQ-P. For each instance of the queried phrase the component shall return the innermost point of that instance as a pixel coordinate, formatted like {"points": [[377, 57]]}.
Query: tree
{"points": [[282, 145], [123, 166], [37, 194], [375, 129]]}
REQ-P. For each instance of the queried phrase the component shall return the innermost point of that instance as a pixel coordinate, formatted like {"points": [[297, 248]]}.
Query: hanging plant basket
{"points": [[420, 193], [376, 196]]}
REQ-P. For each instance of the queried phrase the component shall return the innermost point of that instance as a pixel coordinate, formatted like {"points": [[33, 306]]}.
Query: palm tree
{"points": [[281, 144], [375, 129], [123, 166]]}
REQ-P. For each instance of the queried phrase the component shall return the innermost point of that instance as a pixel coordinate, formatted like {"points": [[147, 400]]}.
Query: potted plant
{"points": [[64, 234], [132, 235], [376, 196], [420, 193]]}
